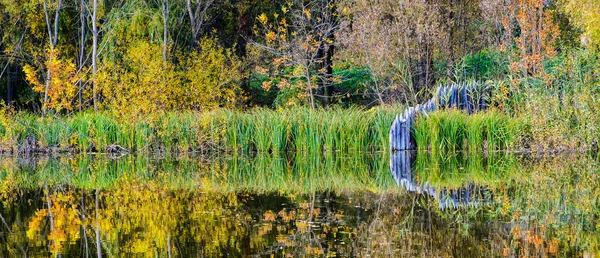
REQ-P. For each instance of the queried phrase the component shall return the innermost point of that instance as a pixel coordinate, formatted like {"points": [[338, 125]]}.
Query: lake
{"points": [[377, 205]]}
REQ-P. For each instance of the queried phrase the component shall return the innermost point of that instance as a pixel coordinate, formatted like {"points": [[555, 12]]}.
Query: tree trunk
{"points": [[193, 25], [309, 88], [9, 88], [169, 252], [56, 16], [325, 57], [244, 32], [95, 53], [330, 52], [197, 14], [81, 48], [328, 87], [53, 38], [48, 78], [165, 13], [425, 67]]}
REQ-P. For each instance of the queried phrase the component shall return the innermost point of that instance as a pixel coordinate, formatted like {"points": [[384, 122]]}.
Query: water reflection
{"points": [[300, 206], [402, 168]]}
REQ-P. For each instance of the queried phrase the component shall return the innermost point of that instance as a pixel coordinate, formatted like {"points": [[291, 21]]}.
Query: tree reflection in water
{"points": [[502, 205]]}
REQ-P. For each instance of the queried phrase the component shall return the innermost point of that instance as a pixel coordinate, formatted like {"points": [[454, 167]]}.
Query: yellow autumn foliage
{"points": [[586, 15], [143, 83], [211, 78], [61, 87]]}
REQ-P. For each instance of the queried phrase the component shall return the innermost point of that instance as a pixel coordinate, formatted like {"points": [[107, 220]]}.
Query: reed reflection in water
{"points": [[401, 166]]}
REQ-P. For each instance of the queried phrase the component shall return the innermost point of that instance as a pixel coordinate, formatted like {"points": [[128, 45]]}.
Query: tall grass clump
{"points": [[103, 131], [381, 120], [422, 132], [300, 129], [474, 132], [453, 130], [310, 131]]}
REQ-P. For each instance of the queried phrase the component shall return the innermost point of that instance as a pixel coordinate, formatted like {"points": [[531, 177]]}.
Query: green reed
{"points": [[263, 130], [305, 130], [453, 130]]}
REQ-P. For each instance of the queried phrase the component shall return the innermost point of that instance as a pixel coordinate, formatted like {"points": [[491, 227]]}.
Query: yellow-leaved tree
{"points": [[59, 85], [142, 82], [210, 77], [586, 15], [139, 83]]}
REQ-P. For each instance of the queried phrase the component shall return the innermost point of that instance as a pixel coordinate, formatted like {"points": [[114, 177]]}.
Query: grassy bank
{"points": [[304, 130], [263, 130]]}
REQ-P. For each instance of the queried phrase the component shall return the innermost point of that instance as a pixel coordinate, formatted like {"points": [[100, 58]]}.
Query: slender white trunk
{"points": [[95, 53], [81, 48], [53, 39], [56, 16], [192, 15], [169, 252], [197, 12], [165, 13]]}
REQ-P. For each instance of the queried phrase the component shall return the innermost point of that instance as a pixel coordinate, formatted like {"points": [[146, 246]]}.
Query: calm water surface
{"points": [[494, 205]]}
